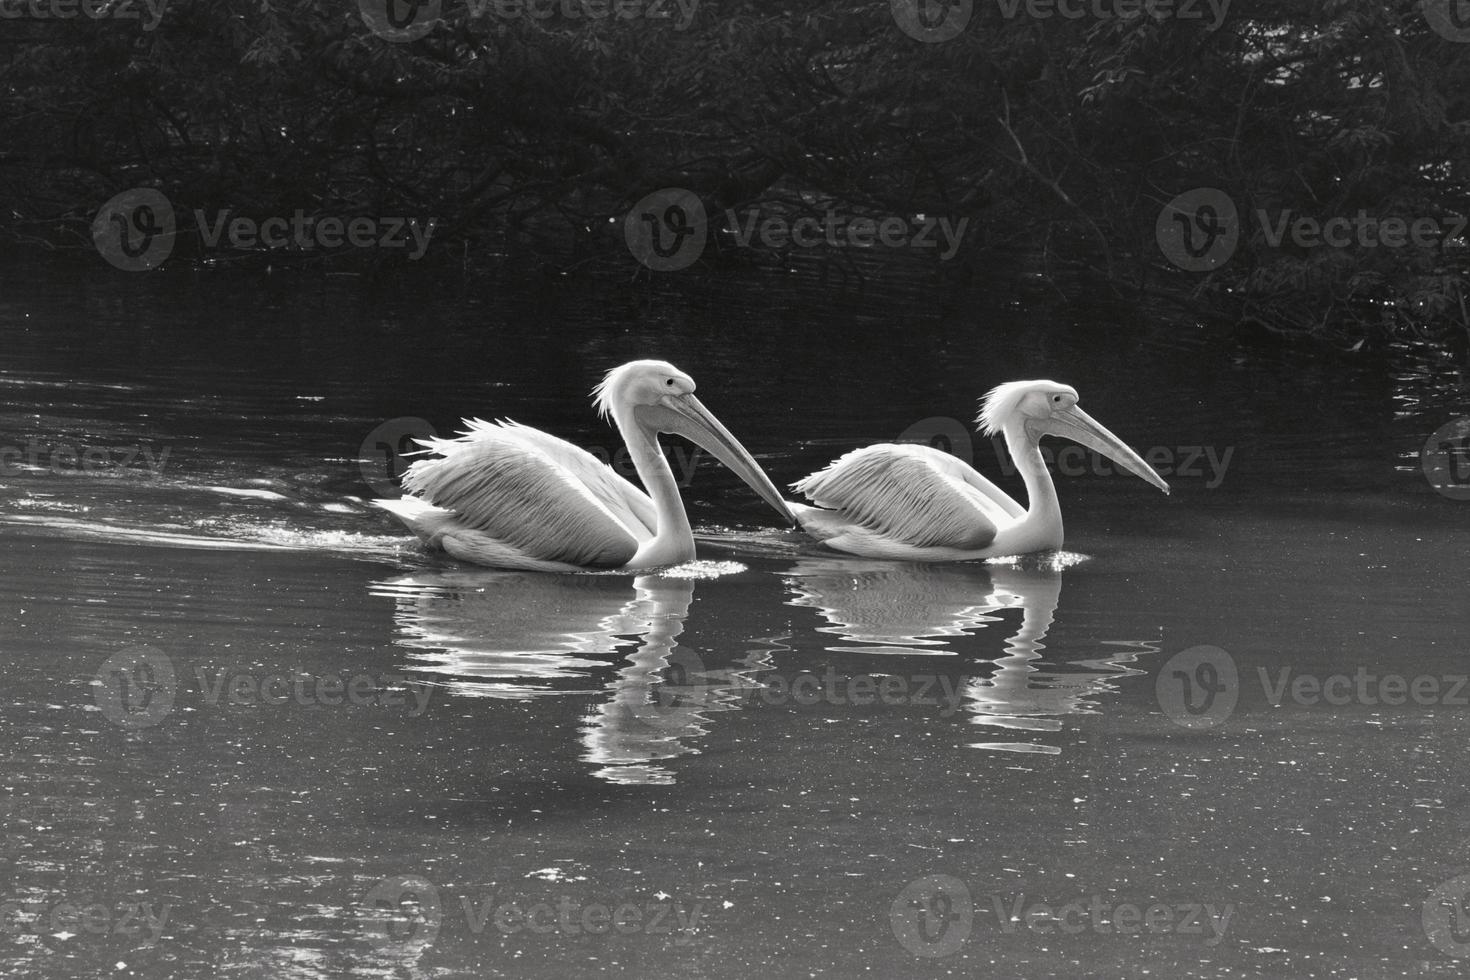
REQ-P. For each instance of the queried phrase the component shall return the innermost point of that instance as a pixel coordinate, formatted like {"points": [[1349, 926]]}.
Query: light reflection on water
{"points": [[640, 733], [518, 635]]}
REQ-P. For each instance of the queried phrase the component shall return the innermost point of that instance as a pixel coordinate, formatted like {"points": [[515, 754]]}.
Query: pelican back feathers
{"points": [[534, 493], [905, 493]]}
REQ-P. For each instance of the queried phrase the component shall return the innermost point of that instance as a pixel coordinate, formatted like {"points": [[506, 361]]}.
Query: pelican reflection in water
{"points": [[517, 635], [904, 609]]}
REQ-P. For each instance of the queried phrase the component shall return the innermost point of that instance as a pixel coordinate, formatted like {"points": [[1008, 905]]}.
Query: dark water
{"points": [[251, 731]]}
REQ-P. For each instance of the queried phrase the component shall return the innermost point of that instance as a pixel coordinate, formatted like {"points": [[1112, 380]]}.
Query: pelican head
{"points": [[1046, 408], [654, 396]]}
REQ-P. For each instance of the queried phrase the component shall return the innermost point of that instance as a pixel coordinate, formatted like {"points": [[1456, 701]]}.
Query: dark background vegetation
{"points": [[1059, 139]]}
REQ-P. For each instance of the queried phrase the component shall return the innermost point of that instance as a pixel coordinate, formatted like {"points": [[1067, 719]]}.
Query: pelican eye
{"points": [[670, 382]]}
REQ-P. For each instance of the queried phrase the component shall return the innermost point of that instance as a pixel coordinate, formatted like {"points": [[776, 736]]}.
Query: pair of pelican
{"points": [[510, 496]]}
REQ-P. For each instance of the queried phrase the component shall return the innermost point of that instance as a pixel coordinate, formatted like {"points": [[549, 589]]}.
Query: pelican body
{"points": [[510, 496], [916, 503]]}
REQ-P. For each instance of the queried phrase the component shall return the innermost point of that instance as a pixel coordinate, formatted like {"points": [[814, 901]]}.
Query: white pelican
{"points": [[919, 504], [510, 496]]}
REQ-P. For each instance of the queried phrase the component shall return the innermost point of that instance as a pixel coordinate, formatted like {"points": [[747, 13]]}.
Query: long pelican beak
{"points": [[1077, 425], [689, 418]]}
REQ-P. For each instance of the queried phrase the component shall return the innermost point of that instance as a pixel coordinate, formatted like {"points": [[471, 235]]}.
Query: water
{"points": [[342, 757]]}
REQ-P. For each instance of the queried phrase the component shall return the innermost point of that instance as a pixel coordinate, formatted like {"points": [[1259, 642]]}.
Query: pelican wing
{"points": [[538, 494], [913, 494], [628, 503]]}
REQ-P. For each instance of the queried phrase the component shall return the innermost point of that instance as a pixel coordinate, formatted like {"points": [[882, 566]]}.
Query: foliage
{"points": [[1059, 138]]}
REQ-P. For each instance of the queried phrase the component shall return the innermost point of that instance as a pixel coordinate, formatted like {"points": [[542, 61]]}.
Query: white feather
{"points": [[513, 496], [910, 495]]}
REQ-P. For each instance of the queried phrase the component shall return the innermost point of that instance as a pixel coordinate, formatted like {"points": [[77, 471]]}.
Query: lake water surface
{"points": [[251, 730]]}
